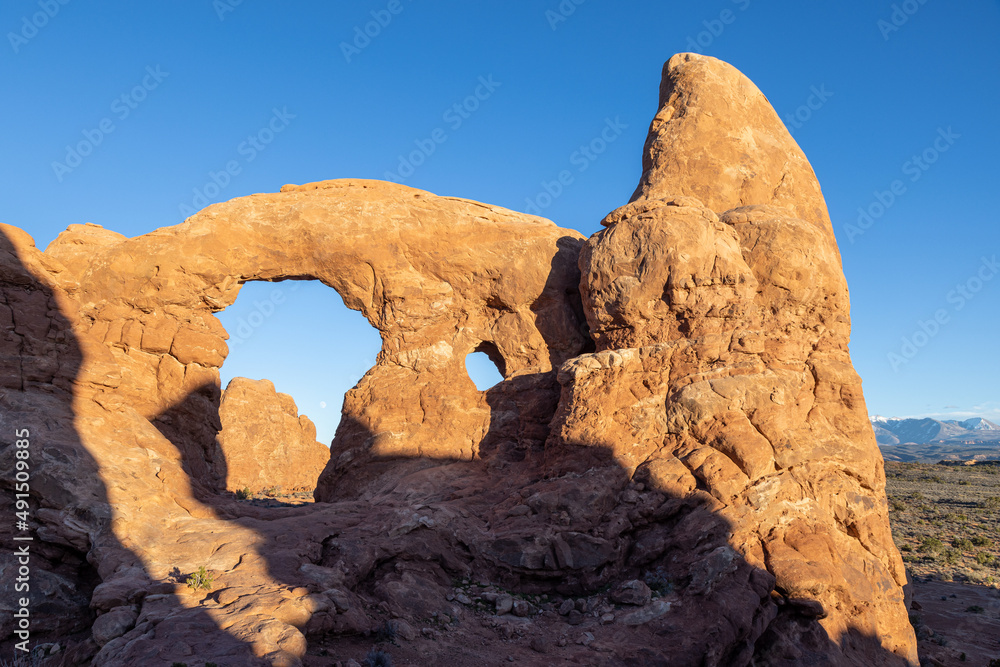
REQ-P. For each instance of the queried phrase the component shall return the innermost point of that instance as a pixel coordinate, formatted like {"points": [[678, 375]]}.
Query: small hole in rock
{"points": [[485, 366]]}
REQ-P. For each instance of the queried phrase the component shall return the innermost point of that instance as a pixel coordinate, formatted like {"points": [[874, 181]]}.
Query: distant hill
{"points": [[931, 440], [979, 424]]}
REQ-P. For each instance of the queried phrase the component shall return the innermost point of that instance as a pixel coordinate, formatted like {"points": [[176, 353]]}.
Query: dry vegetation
{"points": [[946, 520]]}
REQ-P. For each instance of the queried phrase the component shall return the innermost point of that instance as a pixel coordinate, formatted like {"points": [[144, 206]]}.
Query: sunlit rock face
{"points": [[678, 409], [720, 312], [438, 277], [265, 444]]}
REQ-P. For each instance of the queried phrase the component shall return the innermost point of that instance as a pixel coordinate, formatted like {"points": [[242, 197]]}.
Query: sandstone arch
{"points": [[713, 426], [438, 277]]}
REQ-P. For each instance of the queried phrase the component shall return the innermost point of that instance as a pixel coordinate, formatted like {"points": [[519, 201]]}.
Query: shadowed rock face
{"points": [[709, 429]]}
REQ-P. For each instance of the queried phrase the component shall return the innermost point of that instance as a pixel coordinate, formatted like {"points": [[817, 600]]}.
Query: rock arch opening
{"points": [[486, 366], [295, 350]]}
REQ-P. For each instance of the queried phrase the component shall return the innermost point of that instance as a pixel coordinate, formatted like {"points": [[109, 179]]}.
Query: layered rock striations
{"points": [[678, 458]]}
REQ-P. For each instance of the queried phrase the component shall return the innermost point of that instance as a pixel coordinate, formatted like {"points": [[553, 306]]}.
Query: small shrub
{"points": [[244, 494], [980, 541], [22, 659], [897, 505], [951, 556], [962, 543], [378, 658], [906, 547], [985, 558], [387, 631], [991, 503], [975, 609], [931, 545], [200, 580]]}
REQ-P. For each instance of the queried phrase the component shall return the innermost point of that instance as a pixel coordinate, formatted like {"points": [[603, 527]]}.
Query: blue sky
{"points": [[171, 93]]}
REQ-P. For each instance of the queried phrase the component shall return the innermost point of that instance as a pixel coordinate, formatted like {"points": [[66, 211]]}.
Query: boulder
{"points": [[264, 442], [633, 592]]}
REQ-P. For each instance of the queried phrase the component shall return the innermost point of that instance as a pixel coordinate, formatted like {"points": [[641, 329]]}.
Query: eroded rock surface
{"points": [[677, 468], [264, 442], [717, 139], [438, 277], [722, 373]]}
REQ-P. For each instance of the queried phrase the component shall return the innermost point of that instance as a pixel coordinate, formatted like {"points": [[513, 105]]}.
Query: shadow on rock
{"points": [[85, 588]]}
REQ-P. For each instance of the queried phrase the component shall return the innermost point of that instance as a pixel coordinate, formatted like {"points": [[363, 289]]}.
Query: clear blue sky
{"points": [[211, 75]]}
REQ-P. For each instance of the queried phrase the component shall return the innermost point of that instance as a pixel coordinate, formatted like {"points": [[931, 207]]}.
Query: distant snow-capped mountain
{"points": [[979, 424], [931, 440], [899, 430]]}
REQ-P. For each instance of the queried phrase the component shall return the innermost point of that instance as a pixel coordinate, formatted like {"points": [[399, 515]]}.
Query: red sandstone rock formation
{"points": [[722, 371], [713, 445], [264, 442]]}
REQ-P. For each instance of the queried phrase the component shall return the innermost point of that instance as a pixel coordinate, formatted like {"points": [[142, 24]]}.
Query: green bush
{"points": [[244, 494], [962, 543], [985, 558], [980, 540], [931, 544], [200, 580]]}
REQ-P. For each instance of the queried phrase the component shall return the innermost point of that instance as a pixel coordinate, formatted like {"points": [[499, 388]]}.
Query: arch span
{"points": [[435, 276]]}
